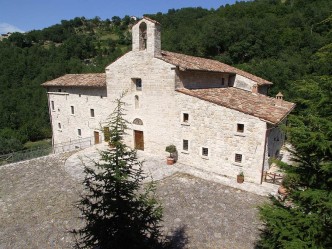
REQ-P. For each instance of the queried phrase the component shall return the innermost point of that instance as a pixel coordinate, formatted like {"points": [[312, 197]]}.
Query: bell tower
{"points": [[146, 37]]}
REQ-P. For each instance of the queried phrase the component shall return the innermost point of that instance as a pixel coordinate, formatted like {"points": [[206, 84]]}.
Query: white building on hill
{"points": [[218, 116]]}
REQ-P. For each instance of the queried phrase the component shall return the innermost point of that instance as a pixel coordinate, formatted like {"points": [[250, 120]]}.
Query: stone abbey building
{"points": [[218, 116]]}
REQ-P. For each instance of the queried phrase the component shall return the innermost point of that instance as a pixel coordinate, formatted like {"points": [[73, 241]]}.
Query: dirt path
{"points": [[37, 197]]}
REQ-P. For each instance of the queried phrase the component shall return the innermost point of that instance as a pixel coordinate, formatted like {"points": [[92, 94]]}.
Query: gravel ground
{"points": [[37, 208]]}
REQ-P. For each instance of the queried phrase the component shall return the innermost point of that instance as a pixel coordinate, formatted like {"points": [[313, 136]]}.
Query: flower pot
{"points": [[170, 160], [282, 190], [240, 179]]}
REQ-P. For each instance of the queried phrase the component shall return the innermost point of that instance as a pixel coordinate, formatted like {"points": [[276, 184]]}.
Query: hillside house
{"points": [[218, 116]]}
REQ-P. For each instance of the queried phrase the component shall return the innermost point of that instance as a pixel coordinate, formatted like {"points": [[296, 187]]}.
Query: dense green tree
{"points": [[304, 218], [27, 60], [119, 212]]}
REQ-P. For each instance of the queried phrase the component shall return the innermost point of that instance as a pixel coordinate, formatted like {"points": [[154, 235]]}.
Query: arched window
{"points": [[138, 121], [136, 102], [142, 36]]}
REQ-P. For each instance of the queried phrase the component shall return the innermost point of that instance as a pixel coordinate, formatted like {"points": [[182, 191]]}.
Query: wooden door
{"points": [[139, 140], [96, 135]]}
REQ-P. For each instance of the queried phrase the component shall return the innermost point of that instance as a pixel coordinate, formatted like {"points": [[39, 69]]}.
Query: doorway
{"points": [[139, 140], [96, 135]]}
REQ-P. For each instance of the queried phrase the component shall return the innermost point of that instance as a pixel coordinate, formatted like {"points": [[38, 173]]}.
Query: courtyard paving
{"points": [[37, 200]]}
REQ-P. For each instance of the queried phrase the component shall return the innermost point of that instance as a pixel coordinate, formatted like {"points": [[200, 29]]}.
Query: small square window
{"points": [[59, 90], [59, 126], [92, 113], [185, 118], [72, 109], [185, 145], [79, 95], [79, 132], [52, 105], [205, 151], [238, 158], [240, 128]]}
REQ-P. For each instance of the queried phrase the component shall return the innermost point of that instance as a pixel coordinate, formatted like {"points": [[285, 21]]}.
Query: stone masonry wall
{"points": [[153, 40], [157, 108], [243, 83], [276, 140], [82, 99], [196, 80], [215, 127]]}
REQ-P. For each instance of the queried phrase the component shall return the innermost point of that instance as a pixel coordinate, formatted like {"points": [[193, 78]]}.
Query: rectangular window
{"points": [[52, 105], [240, 128], [185, 118], [185, 145], [79, 132], [72, 109], [222, 81], [59, 126], [205, 151], [59, 90], [138, 84], [92, 113], [238, 158]]}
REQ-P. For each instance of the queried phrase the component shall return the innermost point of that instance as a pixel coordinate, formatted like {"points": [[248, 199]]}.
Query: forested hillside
{"points": [[288, 42], [27, 60]]}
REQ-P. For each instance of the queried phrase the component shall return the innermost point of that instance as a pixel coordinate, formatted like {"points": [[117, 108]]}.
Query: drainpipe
{"points": [[266, 134]]}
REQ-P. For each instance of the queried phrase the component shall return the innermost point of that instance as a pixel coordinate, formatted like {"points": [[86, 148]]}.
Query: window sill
{"points": [[239, 134], [238, 164], [185, 124], [185, 152], [205, 157]]}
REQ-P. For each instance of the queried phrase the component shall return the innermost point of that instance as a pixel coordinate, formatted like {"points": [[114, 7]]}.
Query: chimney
{"points": [[254, 89], [279, 99]]}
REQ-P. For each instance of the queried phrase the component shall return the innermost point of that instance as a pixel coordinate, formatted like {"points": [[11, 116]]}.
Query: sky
{"points": [[26, 15]]}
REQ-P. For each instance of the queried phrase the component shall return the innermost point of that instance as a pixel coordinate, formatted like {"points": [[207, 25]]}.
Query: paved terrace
{"points": [[202, 210], [156, 168]]}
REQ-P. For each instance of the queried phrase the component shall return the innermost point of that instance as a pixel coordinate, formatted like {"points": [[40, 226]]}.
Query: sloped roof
{"points": [[187, 62], [79, 80], [254, 104], [151, 20]]}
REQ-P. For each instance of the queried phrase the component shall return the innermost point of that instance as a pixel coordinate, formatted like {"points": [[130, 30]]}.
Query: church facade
{"points": [[217, 116]]}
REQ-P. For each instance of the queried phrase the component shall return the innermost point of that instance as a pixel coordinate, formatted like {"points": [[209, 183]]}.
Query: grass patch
{"points": [[41, 144]]}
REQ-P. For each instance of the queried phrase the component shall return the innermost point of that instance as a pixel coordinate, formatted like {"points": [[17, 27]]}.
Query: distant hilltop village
{"points": [[5, 36]]}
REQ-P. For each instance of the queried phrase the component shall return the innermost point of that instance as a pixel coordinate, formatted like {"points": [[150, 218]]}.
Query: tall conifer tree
{"points": [[304, 218], [119, 211]]}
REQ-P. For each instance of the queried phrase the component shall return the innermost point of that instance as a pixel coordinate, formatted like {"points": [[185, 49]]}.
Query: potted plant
{"points": [[171, 149], [240, 177]]}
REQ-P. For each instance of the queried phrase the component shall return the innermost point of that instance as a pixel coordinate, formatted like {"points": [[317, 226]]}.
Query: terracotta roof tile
{"points": [[187, 62], [79, 80], [257, 105]]}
